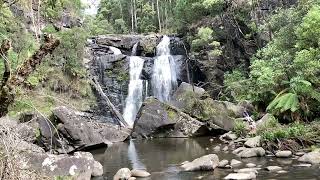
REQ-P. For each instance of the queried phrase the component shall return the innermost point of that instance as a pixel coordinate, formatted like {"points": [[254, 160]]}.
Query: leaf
{"points": [[284, 102]]}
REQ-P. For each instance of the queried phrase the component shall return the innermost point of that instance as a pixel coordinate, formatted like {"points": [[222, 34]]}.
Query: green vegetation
{"points": [[284, 75]]}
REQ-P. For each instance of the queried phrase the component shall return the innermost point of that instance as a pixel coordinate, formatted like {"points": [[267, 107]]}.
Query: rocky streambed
{"points": [[164, 158]]}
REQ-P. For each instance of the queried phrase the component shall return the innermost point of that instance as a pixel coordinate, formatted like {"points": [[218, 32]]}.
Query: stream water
{"points": [[162, 157]]}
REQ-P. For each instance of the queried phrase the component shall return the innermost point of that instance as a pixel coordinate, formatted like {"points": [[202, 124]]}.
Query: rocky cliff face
{"points": [[112, 70]]}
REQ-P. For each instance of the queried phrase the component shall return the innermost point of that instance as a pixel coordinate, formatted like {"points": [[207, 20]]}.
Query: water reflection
{"points": [[162, 158]]}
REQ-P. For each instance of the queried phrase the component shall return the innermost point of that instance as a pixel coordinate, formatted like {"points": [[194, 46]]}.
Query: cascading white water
{"points": [[164, 77], [135, 90]]}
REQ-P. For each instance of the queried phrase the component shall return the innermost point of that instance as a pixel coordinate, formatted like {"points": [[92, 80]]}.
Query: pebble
{"points": [[251, 165]]}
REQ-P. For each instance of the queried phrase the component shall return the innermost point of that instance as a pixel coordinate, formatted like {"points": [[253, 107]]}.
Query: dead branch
{"points": [[7, 93], [5, 46], [113, 109]]}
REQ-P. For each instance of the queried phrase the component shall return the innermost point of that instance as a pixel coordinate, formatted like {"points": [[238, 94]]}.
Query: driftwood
{"points": [[7, 93], [113, 109]]}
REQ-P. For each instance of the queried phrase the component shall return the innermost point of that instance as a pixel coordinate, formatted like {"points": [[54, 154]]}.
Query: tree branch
{"points": [[5, 46]]}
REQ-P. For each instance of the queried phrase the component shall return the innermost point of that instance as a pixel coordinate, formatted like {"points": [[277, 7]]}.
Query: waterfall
{"points": [[164, 77], [135, 90]]}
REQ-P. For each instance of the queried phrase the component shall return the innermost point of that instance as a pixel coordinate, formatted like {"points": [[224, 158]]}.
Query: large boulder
{"points": [[81, 164], [311, 157], [82, 130], [265, 121], [196, 102], [204, 163], [157, 119]]}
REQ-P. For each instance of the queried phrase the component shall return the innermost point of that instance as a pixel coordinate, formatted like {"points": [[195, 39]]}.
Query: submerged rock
{"points": [[122, 174], [241, 176], [253, 142], [283, 154], [311, 157], [204, 163], [157, 119]]}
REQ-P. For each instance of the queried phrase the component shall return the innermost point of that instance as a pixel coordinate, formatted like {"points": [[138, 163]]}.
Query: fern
{"points": [[284, 102]]}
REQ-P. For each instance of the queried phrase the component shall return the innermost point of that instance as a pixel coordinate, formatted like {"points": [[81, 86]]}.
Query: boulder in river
{"points": [[158, 119], [311, 157], [252, 152], [122, 174], [283, 154], [204, 163], [265, 121]]}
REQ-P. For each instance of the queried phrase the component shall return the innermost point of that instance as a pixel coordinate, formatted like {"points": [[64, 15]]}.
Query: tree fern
{"points": [[284, 102]]}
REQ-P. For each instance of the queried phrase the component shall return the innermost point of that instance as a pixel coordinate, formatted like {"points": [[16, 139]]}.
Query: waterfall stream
{"points": [[164, 77], [135, 90]]}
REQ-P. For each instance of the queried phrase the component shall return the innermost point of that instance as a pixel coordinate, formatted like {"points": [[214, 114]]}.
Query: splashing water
{"points": [[135, 91], [164, 77]]}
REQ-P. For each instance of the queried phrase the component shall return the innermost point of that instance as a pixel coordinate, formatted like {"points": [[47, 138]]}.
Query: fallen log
{"points": [[113, 109]]}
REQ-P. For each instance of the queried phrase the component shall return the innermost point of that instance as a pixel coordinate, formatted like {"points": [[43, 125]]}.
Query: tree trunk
{"points": [[7, 93], [113, 109], [159, 18]]}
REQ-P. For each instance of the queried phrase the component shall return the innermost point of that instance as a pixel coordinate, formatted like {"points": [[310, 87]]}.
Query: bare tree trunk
{"points": [[7, 93], [135, 15], [159, 18], [113, 109], [132, 17]]}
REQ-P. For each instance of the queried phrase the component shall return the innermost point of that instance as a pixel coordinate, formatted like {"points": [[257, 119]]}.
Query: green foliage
{"points": [[291, 131], [284, 102], [284, 74], [204, 37], [240, 128]]}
